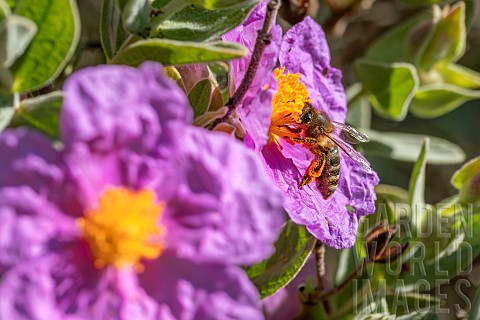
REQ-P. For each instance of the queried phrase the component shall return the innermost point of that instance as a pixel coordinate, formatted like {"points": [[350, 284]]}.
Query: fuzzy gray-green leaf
{"points": [[41, 113], [171, 52], [53, 45], [391, 86], [292, 250], [194, 23]]}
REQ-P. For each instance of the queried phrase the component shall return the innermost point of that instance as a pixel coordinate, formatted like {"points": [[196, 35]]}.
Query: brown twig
{"points": [[345, 282], [263, 40], [321, 266]]}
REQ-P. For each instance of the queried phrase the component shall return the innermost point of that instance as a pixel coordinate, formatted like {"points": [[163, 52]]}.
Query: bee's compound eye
{"points": [[306, 117]]}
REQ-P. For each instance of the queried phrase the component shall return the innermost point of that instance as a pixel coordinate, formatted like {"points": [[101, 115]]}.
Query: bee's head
{"points": [[308, 113], [316, 119]]}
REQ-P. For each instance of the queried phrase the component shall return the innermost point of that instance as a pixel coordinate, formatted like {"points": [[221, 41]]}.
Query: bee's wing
{"points": [[350, 134], [354, 155]]}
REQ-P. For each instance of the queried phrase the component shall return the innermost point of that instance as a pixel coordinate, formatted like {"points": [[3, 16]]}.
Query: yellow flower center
{"points": [[287, 103], [124, 228]]}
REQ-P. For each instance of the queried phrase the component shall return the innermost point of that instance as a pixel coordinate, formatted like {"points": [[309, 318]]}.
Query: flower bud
{"points": [[443, 37], [379, 246]]}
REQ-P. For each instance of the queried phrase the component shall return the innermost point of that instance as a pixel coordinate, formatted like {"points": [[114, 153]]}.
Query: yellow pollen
{"points": [[124, 228], [288, 102]]}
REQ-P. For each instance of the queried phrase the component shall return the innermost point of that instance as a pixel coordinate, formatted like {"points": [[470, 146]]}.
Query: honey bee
{"points": [[317, 133]]}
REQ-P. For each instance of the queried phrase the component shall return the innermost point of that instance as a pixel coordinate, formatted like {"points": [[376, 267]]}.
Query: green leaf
{"points": [[6, 110], [416, 186], [224, 4], [394, 45], [458, 75], [374, 310], [391, 85], [419, 315], [346, 264], [170, 52], [414, 301], [463, 175], [475, 310], [292, 250], [310, 311], [216, 101], [467, 180], [199, 97], [191, 74], [359, 112], [210, 116], [41, 113], [52, 47], [445, 261], [448, 41], [421, 35], [135, 15], [435, 100], [388, 199], [11, 3], [195, 23], [16, 33], [393, 194], [422, 2], [406, 147], [112, 33], [220, 72], [4, 10]]}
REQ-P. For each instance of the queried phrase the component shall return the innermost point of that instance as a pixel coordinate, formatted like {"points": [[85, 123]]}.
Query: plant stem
{"points": [[320, 264], [263, 40], [322, 281], [16, 100], [345, 282]]}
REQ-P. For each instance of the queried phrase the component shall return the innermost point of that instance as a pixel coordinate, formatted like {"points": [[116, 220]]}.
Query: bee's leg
{"points": [[289, 140], [314, 171], [306, 140]]}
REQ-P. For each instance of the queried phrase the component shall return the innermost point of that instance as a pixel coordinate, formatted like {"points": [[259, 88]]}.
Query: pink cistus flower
{"points": [[137, 215], [304, 76]]}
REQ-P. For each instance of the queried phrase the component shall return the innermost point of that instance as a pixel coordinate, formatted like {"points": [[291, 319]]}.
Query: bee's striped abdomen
{"points": [[328, 180]]}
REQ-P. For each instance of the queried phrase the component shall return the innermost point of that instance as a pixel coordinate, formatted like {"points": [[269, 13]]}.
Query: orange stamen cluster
{"points": [[124, 228], [287, 103]]}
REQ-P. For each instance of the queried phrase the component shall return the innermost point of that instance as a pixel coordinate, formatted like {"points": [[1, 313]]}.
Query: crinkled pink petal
{"points": [[221, 205], [93, 172], [29, 225], [28, 293], [63, 286], [184, 289], [359, 187], [256, 112], [28, 158], [108, 107], [305, 50], [173, 106]]}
